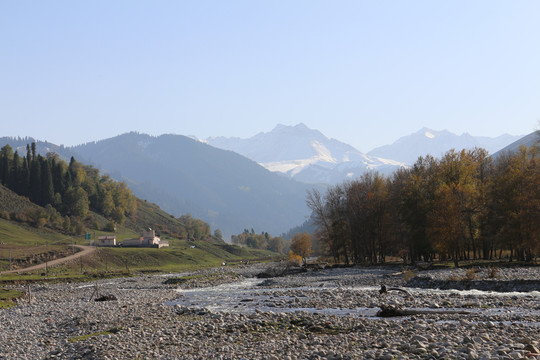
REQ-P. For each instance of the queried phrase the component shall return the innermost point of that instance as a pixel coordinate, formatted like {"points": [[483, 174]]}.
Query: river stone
{"points": [[531, 348]]}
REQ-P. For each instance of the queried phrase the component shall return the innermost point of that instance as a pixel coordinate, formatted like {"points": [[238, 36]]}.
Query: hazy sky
{"points": [[363, 72]]}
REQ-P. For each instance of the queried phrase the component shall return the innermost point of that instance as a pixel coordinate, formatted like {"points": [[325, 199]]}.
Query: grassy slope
{"points": [[176, 258], [11, 202], [30, 244], [22, 235]]}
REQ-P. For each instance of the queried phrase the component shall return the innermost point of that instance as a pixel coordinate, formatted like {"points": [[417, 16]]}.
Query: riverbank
{"points": [[226, 313]]}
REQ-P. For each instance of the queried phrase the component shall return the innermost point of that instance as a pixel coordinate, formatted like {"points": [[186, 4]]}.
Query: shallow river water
{"points": [[247, 296]]}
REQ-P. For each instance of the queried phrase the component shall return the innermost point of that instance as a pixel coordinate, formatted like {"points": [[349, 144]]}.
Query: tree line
{"points": [[64, 190], [465, 205], [262, 241], [193, 228]]}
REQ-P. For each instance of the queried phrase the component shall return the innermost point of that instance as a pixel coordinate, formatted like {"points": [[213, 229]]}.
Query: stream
{"points": [[247, 296]]}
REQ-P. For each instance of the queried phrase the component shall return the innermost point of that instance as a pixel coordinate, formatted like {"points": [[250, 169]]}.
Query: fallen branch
{"points": [[385, 290], [390, 311]]}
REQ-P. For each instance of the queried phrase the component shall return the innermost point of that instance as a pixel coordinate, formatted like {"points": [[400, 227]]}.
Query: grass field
{"points": [[181, 256], [112, 262], [22, 245], [24, 235]]}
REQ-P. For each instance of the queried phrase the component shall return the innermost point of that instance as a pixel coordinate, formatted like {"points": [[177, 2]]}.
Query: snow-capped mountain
{"points": [[427, 141], [305, 155]]}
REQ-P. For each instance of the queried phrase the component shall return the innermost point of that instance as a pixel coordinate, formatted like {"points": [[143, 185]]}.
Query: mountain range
{"points": [[305, 155], [308, 156], [426, 141], [235, 184]]}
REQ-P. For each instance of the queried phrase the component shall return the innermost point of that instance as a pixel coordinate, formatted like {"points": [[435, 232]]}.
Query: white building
{"points": [[147, 239], [106, 240]]}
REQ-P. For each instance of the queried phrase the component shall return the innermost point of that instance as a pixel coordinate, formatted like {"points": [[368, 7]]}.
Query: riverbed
{"points": [[228, 313]]}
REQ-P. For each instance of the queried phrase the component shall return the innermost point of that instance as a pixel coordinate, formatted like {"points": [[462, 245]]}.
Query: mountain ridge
{"points": [[305, 154], [426, 141], [184, 175]]}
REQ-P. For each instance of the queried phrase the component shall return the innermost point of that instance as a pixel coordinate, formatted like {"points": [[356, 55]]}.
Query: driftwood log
{"points": [[385, 290], [391, 311]]}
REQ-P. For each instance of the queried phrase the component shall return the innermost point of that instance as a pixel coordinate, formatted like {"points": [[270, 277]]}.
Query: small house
{"points": [[106, 240], [147, 239]]}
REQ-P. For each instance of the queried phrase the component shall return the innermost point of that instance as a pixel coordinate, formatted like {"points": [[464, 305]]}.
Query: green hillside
{"points": [[27, 244], [11, 202]]}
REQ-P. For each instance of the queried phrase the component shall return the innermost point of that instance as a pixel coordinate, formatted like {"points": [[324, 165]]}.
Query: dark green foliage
{"points": [[194, 228], [261, 241], [218, 234], [6, 159], [76, 202], [35, 181], [47, 189], [70, 190]]}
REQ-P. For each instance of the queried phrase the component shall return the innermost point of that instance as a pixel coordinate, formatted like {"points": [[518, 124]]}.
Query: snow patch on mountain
{"points": [[323, 154], [305, 155]]}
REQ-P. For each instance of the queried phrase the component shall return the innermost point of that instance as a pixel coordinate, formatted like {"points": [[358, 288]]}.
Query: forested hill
{"points": [[46, 191], [71, 189]]}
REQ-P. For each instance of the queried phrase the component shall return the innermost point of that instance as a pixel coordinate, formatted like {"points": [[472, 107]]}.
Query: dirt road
{"points": [[86, 250]]}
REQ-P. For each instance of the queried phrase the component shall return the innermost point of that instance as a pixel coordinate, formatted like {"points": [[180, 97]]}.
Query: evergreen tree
{"points": [[6, 157], [14, 176], [57, 169], [33, 151], [35, 181], [47, 189], [23, 185], [28, 155]]}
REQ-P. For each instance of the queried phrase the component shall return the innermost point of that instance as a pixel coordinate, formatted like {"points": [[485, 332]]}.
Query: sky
{"points": [[362, 72]]}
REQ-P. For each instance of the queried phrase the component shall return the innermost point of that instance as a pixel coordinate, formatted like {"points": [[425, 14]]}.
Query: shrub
{"points": [[293, 258], [493, 272], [408, 275], [109, 227], [470, 274]]}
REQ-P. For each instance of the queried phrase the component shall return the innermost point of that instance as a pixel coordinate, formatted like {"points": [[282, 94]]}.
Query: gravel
{"points": [[325, 314]]}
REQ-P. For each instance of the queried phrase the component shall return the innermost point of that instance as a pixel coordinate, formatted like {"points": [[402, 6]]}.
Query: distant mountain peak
{"points": [[431, 133], [299, 129], [299, 126], [426, 141], [304, 154]]}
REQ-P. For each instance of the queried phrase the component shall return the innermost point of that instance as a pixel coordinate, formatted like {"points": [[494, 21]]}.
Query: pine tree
{"points": [[47, 189], [33, 151], [6, 157], [23, 186], [35, 181], [14, 175]]}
